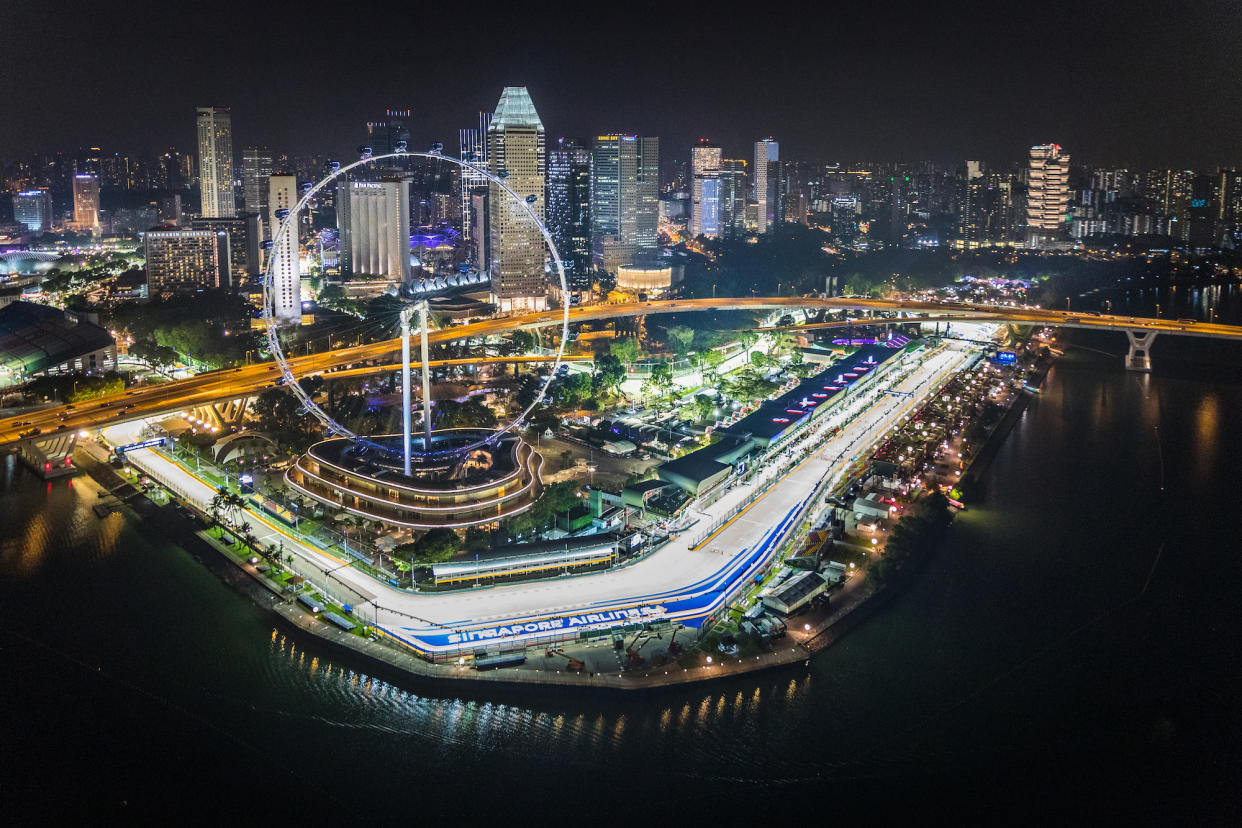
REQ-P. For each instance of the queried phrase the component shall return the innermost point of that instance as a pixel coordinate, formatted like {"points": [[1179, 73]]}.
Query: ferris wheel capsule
{"points": [[364, 153], [282, 214], [470, 156], [399, 147], [267, 244], [532, 198], [437, 148], [502, 174]]}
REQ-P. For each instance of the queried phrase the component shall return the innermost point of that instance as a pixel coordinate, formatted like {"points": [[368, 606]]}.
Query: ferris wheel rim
{"points": [[271, 326]]}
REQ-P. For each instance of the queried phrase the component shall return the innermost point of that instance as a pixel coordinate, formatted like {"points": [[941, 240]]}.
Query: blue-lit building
{"points": [[33, 208]]}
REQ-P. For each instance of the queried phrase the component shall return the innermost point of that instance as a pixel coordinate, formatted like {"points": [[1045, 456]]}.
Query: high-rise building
{"points": [[734, 193], [1047, 195], [516, 154], [569, 203], [185, 260], [473, 151], [33, 208], [767, 150], [393, 130], [705, 190], [257, 168], [373, 219], [285, 268], [215, 161], [243, 245], [624, 200], [86, 203]]}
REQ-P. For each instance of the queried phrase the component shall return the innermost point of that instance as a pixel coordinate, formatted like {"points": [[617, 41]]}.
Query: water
{"points": [[1070, 653]]}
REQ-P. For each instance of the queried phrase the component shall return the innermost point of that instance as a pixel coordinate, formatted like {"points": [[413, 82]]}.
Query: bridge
{"points": [[209, 391]]}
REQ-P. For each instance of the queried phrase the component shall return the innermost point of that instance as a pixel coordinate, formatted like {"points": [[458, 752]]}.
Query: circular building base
{"points": [[454, 485]]}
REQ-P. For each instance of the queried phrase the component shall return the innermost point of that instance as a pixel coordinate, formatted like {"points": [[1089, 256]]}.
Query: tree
{"points": [[681, 337], [704, 406], [625, 349], [435, 546], [609, 372], [758, 359], [567, 459]]}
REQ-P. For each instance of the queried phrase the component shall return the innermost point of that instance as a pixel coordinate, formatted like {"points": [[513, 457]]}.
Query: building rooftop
{"points": [[515, 109], [36, 337]]}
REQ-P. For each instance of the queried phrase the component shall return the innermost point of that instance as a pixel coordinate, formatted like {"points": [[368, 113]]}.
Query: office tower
{"points": [[625, 208], [185, 260], [473, 146], [169, 208], [515, 153], [86, 203], [734, 193], [386, 135], [256, 170], [1047, 194], [215, 161], [33, 208], [373, 219], [243, 233], [767, 150], [284, 269], [705, 190], [569, 203]]}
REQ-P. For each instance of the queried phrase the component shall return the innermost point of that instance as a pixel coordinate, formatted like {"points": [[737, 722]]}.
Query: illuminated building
{"points": [[384, 136], [515, 154], [373, 218], [285, 268], [257, 168], [704, 190], [569, 203], [1047, 195], [86, 203], [243, 233], [734, 194], [215, 161], [473, 144], [771, 212], [624, 200], [33, 208], [185, 260]]}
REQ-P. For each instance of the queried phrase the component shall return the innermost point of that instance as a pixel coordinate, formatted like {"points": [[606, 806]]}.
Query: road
{"points": [[686, 580], [233, 383]]}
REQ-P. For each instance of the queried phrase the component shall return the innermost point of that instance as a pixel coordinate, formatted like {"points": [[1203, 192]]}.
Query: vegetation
{"points": [[559, 497], [911, 539], [435, 546]]}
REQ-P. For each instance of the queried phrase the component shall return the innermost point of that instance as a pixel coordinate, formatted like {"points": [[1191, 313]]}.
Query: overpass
{"points": [[216, 387]]}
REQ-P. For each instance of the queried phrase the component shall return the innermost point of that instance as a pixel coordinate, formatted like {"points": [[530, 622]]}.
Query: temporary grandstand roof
{"points": [[36, 337]]}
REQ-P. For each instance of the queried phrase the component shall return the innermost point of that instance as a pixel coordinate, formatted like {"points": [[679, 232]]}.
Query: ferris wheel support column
{"points": [[422, 314], [405, 390]]}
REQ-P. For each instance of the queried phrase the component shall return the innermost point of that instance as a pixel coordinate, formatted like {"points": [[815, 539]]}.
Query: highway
{"points": [[231, 383], [687, 579]]}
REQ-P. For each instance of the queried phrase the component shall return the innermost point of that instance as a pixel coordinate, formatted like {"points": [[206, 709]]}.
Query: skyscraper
{"points": [[185, 260], [33, 208], [1047, 195], [474, 151], [373, 218], [256, 170], [569, 203], [215, 161], [385, 135], [515, 153], [86, 202], [624, 200], [767, 150], [285, 268], [734, 193], [705, 190]]}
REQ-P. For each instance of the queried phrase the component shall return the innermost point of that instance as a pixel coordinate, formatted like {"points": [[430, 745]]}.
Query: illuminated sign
{"points": [[1006, 357], [1198, 202], [594, 620], [159, 441]]}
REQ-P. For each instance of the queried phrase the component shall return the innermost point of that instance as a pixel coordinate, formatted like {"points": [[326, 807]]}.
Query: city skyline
{"points": [[906, 93]]}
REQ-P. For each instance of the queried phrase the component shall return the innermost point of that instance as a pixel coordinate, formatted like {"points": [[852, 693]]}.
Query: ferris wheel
{"points": [[288, 218]]}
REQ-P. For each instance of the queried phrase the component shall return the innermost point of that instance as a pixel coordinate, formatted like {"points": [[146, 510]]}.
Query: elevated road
{"points": [[234, 383]]}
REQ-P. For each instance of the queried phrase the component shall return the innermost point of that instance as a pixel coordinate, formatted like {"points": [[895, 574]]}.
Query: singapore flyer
{"points": [[517, 205]]}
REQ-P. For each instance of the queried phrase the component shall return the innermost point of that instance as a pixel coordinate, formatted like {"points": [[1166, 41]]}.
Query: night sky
{"points": [[1142, 84]]}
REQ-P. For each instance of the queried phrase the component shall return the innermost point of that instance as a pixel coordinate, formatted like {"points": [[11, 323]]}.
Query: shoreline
{"points": [[389, 662]]}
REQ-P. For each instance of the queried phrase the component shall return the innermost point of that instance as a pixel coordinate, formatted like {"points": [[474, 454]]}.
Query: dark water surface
{"points": [[1071, 654]]}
